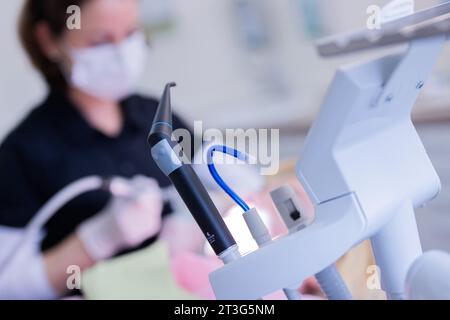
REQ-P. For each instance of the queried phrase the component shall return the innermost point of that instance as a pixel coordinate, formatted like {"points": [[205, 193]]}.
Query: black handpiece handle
{"points": [[202, 208], [185, 180]]}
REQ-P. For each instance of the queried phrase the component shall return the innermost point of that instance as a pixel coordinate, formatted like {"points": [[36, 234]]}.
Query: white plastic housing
{"points": [[364, 141], [365, 168]]}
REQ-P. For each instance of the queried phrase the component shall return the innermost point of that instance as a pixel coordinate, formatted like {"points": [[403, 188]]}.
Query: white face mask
{"points": [[109, 71]]}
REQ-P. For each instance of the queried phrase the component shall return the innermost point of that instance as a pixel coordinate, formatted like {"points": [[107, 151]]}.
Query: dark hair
{"points": [[54, 13]]}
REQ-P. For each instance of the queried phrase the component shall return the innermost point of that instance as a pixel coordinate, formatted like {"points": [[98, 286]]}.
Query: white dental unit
{"points": [[364, 167]]}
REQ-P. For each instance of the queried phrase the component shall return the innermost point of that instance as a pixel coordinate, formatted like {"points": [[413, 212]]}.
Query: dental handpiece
{"points": [[187, 183]]}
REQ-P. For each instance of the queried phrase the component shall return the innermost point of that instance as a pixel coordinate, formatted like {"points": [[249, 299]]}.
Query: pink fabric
{"points": [[191, 272]]}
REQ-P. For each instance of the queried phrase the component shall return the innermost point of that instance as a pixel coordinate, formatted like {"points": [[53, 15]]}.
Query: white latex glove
{"points": [[126, 222]]}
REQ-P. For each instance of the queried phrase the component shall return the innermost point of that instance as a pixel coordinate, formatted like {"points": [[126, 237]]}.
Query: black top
{"points": [[55, 146]]}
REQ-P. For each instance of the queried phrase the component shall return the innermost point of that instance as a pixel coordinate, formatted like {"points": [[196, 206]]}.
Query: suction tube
{"points": [[332, 284], [34, 227], [187, 183]]}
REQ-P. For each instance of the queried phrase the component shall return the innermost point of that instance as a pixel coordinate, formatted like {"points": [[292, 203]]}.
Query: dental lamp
{"points": [[363, 165]]}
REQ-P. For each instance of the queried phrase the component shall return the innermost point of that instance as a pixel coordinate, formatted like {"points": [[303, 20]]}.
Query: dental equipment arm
{"points": [[364, 167], [185, 180], [369, 147]]}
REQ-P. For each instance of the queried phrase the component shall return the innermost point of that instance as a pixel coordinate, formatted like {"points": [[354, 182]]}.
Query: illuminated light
{"points": [[235, 222]]}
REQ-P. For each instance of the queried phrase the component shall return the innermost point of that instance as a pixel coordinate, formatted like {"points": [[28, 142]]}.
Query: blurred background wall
{"points": [[239, 63]]}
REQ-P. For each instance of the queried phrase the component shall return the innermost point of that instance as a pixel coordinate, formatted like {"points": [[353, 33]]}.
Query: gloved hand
{"points": [[127, 221]]}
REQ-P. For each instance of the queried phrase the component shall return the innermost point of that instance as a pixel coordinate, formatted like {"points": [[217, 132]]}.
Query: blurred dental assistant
{"points": [[91, 123]]}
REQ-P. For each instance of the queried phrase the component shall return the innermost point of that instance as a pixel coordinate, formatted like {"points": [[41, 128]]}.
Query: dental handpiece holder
{"points": [[363, 166]]}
